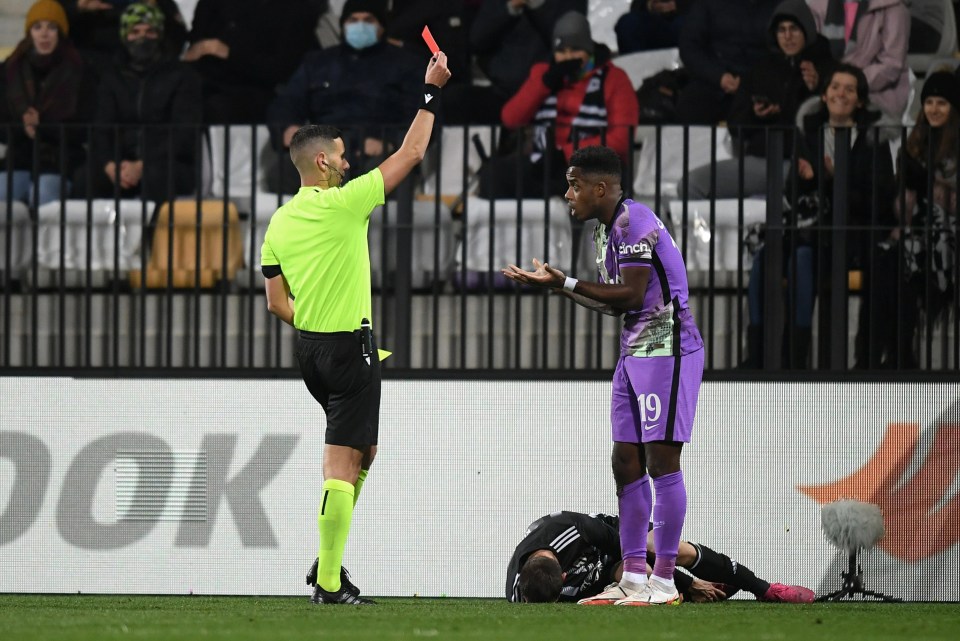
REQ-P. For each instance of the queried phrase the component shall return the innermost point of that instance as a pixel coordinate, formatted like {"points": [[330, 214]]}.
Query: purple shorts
{"points": [[655, 398]]}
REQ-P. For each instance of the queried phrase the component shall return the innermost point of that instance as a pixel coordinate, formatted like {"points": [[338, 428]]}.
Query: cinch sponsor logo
{"points": [[638, 248], [920, 516]]}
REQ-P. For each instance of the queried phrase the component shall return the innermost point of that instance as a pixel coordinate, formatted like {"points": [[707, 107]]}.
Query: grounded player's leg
{"points": [[712, 566], [719, 568]]}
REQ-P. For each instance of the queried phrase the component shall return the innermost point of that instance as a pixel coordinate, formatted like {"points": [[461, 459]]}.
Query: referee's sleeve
{"points": [[269, 265]]}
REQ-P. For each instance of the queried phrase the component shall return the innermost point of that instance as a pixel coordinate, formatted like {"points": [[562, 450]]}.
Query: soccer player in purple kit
{"points": [[657, 378]]}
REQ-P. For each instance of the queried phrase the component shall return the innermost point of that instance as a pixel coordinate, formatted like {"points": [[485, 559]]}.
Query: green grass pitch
{"points": [[140, 618]]}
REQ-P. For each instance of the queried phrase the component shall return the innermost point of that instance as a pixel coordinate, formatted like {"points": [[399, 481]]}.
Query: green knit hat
{"points": [[140, 13]]}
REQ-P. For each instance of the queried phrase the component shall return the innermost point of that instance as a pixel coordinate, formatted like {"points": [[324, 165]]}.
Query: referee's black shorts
{"points": [[339, 377]]}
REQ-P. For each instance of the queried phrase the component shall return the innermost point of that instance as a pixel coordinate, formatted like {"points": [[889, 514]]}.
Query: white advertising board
{"points": [[172, 486]]}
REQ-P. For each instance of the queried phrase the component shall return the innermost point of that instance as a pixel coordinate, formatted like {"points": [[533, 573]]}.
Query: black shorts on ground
{"points": [[334, 369]]}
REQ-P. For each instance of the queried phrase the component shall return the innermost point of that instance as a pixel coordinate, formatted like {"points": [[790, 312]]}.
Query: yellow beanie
{"points": [[48, 10]]}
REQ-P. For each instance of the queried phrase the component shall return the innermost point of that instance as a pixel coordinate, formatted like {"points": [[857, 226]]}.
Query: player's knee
{"points": [[626, 464], [662, 459]]}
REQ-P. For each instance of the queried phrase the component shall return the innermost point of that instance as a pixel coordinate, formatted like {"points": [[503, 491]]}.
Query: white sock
{"points": [[633, 580], [667, 585]]}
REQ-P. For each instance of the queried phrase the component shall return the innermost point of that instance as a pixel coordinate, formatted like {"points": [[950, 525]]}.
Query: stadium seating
{"points": [[671, 158], [919, 62], [499, 232], [177, 259], [108, 246], [15, 232], [725, 237]]}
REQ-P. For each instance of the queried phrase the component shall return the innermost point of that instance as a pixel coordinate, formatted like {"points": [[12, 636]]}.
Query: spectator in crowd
{"points": [[94, 25], [923, 266], [365, 81], [449, 23], [578, 99], [45, 84], [872, 35], [769, 95], [131, 152], [650, 24], [843, 105], [720, 41], [244, 49], [506, 38]]}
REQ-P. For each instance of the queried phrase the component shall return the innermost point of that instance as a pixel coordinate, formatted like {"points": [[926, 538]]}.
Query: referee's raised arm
{"points": [[399, 164]]}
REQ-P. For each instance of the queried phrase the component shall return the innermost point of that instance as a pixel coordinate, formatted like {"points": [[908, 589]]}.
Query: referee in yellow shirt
{"points": [[315, 251]]}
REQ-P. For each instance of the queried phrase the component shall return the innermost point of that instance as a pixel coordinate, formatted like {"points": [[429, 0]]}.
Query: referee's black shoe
{"points": [[340, 597], [345, 581]]}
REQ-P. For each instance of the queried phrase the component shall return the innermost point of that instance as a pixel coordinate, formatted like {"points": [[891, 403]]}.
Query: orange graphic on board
{"points": [[919, 517]]}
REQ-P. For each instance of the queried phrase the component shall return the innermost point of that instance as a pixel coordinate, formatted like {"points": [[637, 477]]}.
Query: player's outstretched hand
{"points": [[705, 592], [437, 72], [543, 275]]}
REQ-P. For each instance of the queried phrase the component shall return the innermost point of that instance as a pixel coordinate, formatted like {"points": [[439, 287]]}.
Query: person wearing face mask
{"points": [[95, 24], [578, 99], [365, 84], [45, 84], [243, 49], [132, 153]]}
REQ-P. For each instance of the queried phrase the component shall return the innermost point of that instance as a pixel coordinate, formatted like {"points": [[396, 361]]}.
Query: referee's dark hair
{"points": [[309, 133], [597, 161], [541, 580]]}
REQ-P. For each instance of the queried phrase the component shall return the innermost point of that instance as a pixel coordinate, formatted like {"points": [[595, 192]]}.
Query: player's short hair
{"points": [[541, 580], [597, 160], [310, 133]]}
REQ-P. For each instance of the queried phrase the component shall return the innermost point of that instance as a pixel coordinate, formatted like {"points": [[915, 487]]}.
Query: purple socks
{"points": [[668, 515], [635, 500]]}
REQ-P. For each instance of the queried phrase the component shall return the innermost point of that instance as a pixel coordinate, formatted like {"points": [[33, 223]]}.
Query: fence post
{"points": [[773, 254]]}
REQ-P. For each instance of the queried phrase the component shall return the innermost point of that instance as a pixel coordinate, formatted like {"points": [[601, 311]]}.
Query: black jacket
{"points": [[344, 87], [870, 184], [267, 39], [143, 103], [721, 36], [73, 88], [776, 78], [506, 46]]}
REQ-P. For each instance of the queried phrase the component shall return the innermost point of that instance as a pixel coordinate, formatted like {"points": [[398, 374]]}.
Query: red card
{"points": [[428, 38]]}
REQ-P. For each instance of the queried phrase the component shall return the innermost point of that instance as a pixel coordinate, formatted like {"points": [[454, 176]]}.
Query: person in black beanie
{"points": [[922, 269], [365, 85]]}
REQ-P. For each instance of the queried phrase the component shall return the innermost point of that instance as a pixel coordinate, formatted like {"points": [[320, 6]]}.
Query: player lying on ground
{"points": [[573, 557]]}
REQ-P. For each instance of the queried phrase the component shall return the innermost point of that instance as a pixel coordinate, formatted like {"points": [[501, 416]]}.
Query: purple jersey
{"points": [[664, 326]]}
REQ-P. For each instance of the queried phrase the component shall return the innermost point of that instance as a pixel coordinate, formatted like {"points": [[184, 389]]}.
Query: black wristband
{"points": [[431, 98]]}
